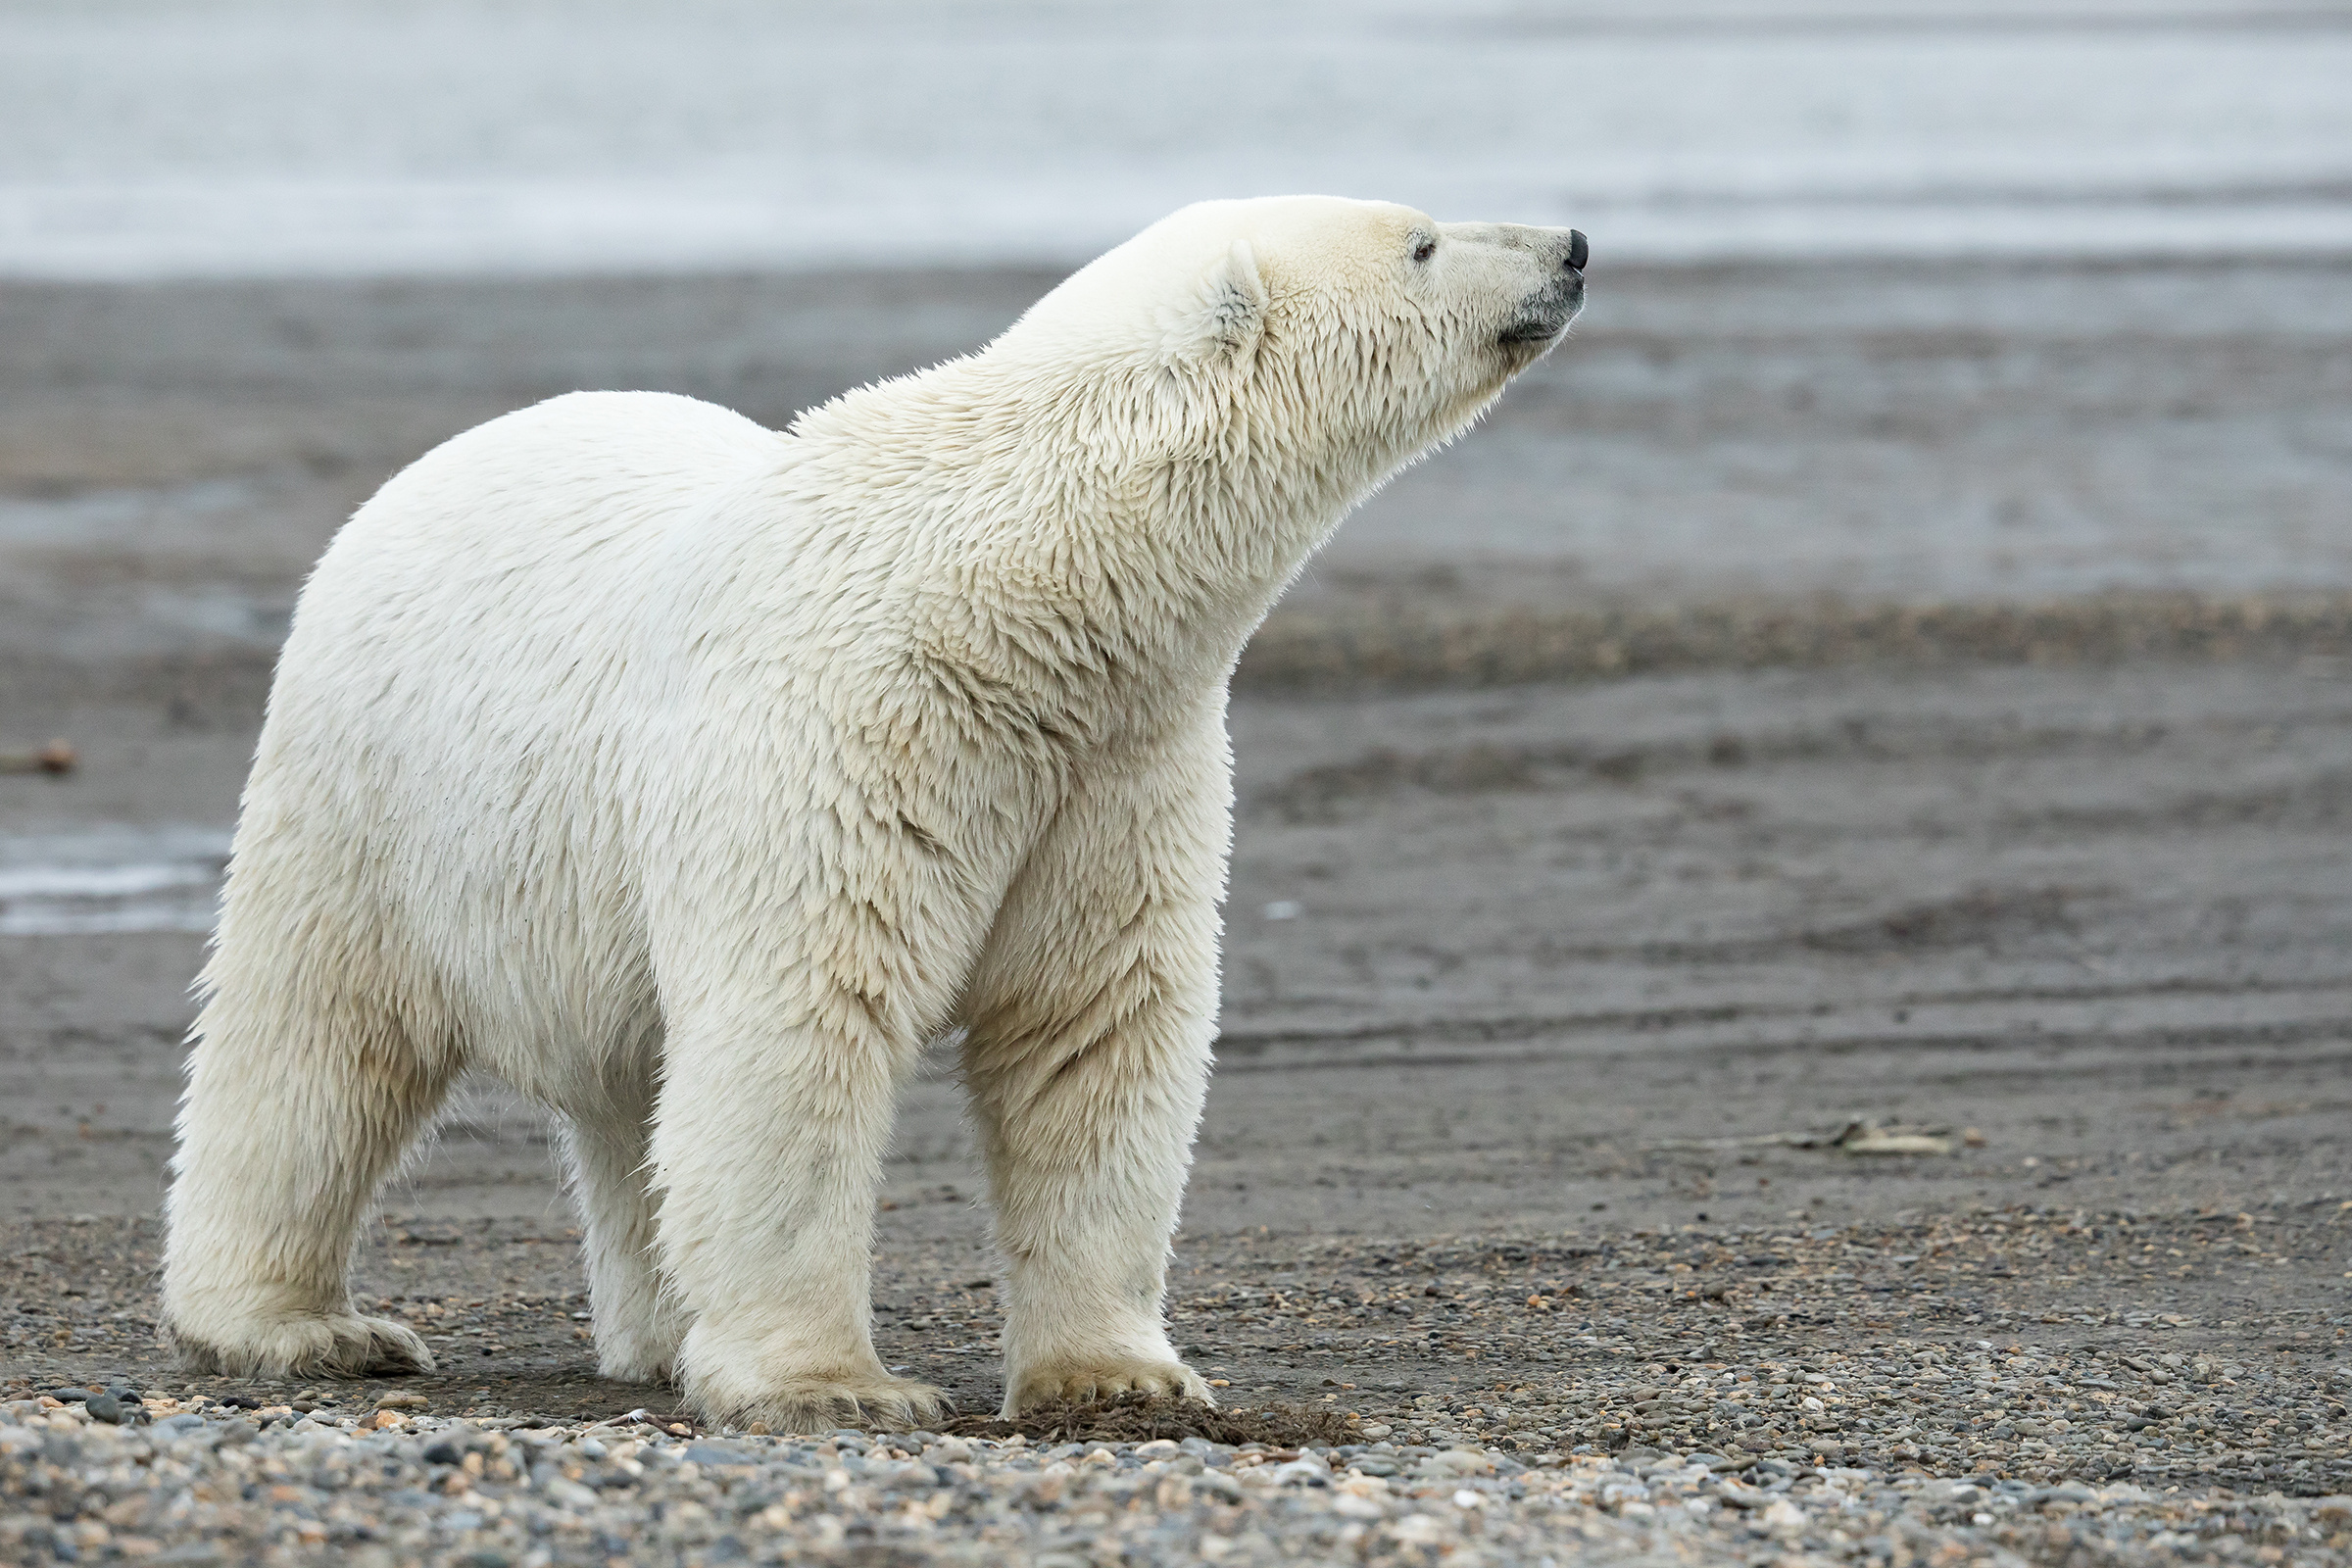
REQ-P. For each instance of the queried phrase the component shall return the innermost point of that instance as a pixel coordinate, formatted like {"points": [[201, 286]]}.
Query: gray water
{"points": [[276, 137], [116, 878]]}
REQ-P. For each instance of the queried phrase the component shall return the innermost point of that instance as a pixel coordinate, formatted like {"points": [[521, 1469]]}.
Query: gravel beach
{"points": [[2006, 1383], [347, 1482], [1723, 1058]]}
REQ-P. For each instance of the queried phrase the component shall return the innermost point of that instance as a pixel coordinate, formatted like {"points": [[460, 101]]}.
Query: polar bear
{"points": [[690, 777]]}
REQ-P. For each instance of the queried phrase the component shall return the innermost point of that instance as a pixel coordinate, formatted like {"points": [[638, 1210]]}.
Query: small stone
{"points": [[705, 1452]]}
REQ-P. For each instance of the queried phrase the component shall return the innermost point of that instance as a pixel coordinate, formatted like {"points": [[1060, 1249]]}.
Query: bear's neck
{"points": [[1057, 561]]}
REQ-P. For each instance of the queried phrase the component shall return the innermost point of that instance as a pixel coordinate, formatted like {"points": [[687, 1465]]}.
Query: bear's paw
{"points": [[823, 1402], [332, 1345], [1079, 1384]]}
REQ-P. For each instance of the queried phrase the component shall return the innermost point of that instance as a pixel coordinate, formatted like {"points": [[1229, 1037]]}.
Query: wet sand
{"points": [[1540, 964]]}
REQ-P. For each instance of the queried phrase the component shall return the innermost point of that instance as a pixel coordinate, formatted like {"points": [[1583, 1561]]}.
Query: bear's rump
{"points": [[460, 717]]}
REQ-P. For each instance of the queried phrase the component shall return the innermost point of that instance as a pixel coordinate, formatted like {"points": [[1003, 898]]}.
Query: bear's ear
{"points": [[1223, 317]]}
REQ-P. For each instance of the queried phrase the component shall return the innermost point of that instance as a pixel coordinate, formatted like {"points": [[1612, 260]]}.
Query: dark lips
{"points": [[1551, 317], [1537, 331]]}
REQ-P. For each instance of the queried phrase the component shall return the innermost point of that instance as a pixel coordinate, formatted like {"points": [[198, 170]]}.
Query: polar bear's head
{"points": [[1349, 334]]}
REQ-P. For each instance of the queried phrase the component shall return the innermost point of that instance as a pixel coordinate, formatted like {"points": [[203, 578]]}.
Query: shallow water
{"points": [[273, 137], [91, 881]]}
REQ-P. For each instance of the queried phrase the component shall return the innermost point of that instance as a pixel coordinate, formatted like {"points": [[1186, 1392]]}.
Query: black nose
{"points": [[1578, 249]]}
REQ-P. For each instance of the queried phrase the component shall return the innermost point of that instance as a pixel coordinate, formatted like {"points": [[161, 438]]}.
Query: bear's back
{"points": [[504, 581], [562, 479], [469, 673]]}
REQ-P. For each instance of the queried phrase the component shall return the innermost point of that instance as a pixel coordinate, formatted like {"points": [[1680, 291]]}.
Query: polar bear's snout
{"points": [[1546, 313]]}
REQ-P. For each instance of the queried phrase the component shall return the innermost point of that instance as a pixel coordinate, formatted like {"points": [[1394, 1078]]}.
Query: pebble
{"points": [[203, 1484]]}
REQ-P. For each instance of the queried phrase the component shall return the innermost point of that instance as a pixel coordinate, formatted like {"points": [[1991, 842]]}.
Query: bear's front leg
{"points": [[768, 1147], [1087, 1054]]}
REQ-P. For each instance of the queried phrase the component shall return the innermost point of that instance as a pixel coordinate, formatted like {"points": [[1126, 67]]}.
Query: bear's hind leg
{"points": [[637, 1329], [299, 1103]]}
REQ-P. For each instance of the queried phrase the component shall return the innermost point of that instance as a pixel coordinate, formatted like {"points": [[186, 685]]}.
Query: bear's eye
{"points": [[1424, 249]]}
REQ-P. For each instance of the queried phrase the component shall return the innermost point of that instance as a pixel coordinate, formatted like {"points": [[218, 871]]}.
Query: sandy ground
{"points": [[1526, 985]]}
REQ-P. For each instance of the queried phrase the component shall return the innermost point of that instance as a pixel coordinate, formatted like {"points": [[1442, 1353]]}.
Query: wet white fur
{"points": [[691, 776]]}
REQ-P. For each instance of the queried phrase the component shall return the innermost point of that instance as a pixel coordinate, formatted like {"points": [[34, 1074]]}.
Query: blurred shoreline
{"points": [[1723, 467]]}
